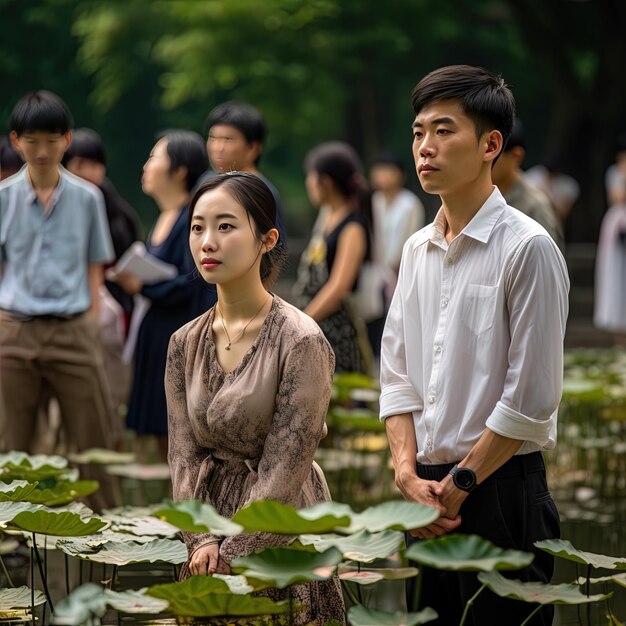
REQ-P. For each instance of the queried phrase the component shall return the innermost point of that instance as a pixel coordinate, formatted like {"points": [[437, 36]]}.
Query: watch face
{"points": [[464, 478]]}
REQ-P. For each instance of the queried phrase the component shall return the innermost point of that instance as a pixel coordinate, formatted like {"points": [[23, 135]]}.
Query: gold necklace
{"points": [[242, 331]]}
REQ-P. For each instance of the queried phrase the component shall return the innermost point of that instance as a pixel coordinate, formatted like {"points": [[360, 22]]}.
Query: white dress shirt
{"points": [[474, 335]]}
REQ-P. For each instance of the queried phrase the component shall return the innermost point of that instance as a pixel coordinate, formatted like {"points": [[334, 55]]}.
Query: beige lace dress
{"points": [[251, 434]]}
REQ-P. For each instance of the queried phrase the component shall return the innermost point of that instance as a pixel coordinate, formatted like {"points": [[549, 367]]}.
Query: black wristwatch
{"points": [[463, 478]]}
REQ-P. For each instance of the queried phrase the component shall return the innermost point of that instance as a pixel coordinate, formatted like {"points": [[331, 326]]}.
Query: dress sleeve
{"points": [[297, 427], [184, 455]]}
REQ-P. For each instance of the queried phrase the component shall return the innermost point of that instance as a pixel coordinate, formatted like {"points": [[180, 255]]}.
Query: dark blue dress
{"points": [[173, 303]]}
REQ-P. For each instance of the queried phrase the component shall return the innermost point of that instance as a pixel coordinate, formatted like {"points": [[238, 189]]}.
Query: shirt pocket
{"points": [[479, 307]]}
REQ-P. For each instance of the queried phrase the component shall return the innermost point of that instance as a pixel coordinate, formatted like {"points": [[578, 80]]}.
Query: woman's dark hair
{"points": [[484, 97], [255, 197], [186, 149], [341, 164], [86, 144], [41, 111]]}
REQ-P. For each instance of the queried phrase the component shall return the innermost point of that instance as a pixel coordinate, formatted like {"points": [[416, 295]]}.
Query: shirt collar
{"points": [[31, 194], [480, 226]]}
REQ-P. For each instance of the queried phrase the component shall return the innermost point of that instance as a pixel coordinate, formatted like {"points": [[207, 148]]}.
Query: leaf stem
{"points": [[41, 573], [32, 586], [588, 589], [469, 604], [67, 574], [6, 572], [532, 614]]}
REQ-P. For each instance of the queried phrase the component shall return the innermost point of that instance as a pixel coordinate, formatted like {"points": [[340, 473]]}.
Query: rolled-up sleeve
{"points": [[398, 395], [537, 302]]}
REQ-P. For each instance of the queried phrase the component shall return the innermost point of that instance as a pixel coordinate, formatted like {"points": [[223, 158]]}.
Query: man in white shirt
{"points": [[471, 363]]}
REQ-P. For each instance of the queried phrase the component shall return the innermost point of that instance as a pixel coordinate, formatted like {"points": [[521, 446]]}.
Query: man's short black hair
{"points": [[41, 111], [244, 117], [389, 158], [86, 144], [485, 98]]}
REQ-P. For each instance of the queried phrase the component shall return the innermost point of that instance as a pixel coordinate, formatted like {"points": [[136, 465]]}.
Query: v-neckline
{"points": [[250, 351]]}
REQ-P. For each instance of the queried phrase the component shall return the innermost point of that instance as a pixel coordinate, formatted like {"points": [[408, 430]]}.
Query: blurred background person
{"points": [[615, 177], [396, 214], [10, 160], [521, 193], [562, 189], [86, 158], [610, 283], [236, 132], [340, 243], [171, 171]]}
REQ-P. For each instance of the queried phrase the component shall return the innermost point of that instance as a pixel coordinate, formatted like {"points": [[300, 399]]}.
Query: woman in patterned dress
{"points": [[248, 385]]}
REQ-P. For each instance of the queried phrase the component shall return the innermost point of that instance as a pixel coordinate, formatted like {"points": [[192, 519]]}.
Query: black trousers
{"points": [[512, 508]]}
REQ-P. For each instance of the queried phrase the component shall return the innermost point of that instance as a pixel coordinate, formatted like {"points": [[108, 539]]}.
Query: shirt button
{"points": [[432, 398], [450, 260], [438, 349], [444, 302]]}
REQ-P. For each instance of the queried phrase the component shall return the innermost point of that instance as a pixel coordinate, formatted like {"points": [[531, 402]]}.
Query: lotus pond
{"points": [[64, 564]]}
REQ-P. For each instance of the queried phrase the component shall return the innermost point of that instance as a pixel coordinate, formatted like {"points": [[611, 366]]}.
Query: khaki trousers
{"points": [[66, 356]]}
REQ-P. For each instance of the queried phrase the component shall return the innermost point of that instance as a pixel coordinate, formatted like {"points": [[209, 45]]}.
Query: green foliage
{"points": [[63, 524], [360, 616], [123, 553], [19, 598], [540, 593], [565, 550], [362, 546], [282, 567], [206, 596], [198, 517], [466, 553], [16, 491]]}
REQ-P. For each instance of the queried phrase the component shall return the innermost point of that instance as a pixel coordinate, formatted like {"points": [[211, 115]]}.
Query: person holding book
{"points": [[171, 171]]}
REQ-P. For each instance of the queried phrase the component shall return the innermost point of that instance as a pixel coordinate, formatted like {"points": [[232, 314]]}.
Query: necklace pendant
{"points": [[227, 347]]}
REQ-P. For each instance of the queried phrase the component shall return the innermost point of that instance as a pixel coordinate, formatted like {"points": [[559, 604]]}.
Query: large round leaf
{"points": [[36, 461], [81, 606], [63, 492], [363, 577], [360, 616], [61, 524], [206, 596], [197, 517], [8, 510], [141, 526], [363, 546], [16, 490], [160, 550], [19, 598], [134, 601], [619, 579], [466, 552], [385, 573], [394, 515], [565, 550], [282, 567], [283, 519], [540, 593], [101, 456]]}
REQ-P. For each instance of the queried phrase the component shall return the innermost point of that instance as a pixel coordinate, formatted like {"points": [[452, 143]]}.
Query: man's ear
{"points": [[15, 141], [68, 139], [493, 144], [254, 151]]}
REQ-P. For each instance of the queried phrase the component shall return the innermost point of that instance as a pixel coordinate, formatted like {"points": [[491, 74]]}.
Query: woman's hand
{"points": [[205, 561], [128, 282]]}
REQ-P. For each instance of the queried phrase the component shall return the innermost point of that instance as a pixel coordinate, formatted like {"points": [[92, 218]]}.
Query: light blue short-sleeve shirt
{"points": [[45, 255]]}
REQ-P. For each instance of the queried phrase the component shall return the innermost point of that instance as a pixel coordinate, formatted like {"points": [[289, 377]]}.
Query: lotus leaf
{"points": [[101, 456], [138, 471], [19, 598], [8, 510], [81, 606], [63, 492], [540, 593], [284, 519], [360, 616], [46, 475], [198, 517], [283, 567], [141, 526], [565, 550], [159, 550], [394, 515], [207, 596], [36, 461], [386, 573], [63, 524], [620, 579], [240, 585], [363, 546], [134, 601], [134, 511], [466, 553], [364, 577], [16, 491]]}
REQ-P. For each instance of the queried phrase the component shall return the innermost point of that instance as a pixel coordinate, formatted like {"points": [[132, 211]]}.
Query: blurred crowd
{"points": [[346, 276]]}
